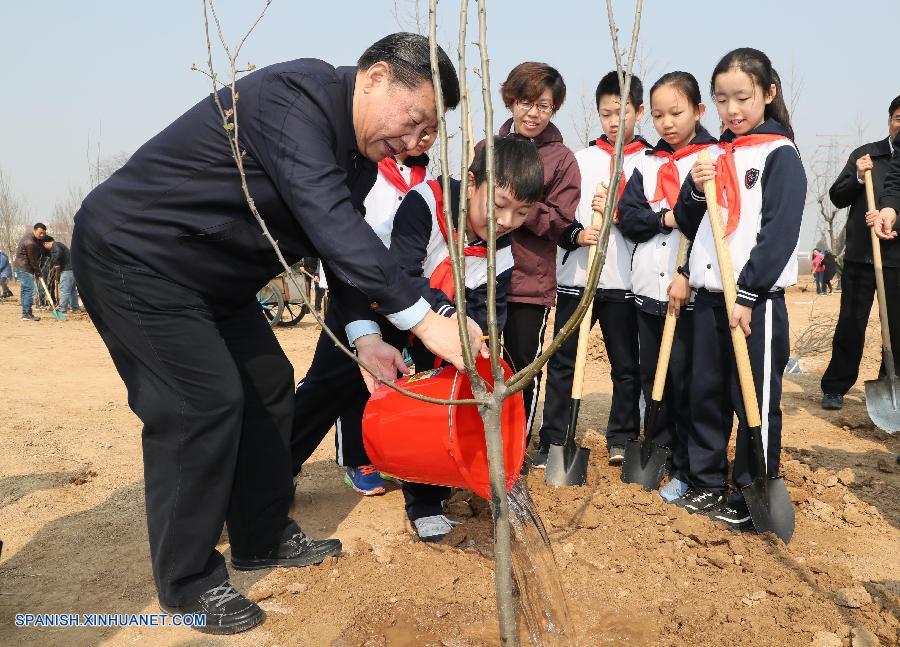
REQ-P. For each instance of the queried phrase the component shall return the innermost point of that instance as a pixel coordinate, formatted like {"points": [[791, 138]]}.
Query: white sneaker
{"points": [[672, 490], [433, 528]]}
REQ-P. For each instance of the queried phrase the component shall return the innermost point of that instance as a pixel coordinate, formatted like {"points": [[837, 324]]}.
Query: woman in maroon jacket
{"points": [[533, 92]]}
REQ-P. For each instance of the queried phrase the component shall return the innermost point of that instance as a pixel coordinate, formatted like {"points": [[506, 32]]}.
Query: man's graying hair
{"points": [[410, 62]]}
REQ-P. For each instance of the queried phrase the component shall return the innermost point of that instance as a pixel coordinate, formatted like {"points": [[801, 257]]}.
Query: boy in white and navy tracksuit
{"points": [[651, 192], [420, 247], [419, 243], [316, 408], [613, 307], [768, 185]]}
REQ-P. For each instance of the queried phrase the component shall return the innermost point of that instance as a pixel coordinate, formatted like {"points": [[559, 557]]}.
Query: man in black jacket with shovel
{"points": [[858, 276], [169, 259]]}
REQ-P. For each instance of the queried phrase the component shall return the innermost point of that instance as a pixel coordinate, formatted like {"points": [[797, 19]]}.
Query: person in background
{"points": [[61, 270], [534, 92], [5, 276], [818, 270], [858, 272], [830, 264], [28, 262]]}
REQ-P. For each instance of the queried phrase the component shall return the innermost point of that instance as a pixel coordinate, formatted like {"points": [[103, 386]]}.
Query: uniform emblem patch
{"points": [[750, 177]]}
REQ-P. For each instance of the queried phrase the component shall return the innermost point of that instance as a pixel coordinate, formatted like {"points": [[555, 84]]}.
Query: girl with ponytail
{"points": [[762, 190]]}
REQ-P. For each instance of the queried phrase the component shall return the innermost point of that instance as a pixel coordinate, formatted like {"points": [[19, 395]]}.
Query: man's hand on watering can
{"points": [[441, 336], [381, 357]]}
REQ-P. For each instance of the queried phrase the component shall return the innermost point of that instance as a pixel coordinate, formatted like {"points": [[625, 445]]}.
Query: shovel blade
{"points": [[567, 465], [770, 507], [883, 404], [56, 313], [644, 464]]}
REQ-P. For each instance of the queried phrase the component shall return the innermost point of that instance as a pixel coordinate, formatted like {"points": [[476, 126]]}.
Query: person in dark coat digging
{"points": [[169, 258]]}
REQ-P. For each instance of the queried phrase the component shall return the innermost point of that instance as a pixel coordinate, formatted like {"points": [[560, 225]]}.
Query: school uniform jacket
{"points": [[655, 255], [383, 200], [571, 258], [534, 243], [419, 247], [772, 185]]}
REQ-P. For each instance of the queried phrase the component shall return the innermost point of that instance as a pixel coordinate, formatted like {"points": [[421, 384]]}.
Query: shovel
{"points": [[881, 394], [645, 462], [567, 463], [767, 498], [54, 308]]}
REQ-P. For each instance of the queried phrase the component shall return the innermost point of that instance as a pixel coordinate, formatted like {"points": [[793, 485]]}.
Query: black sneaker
{"points": [[539, 461], [226, 610], [616, 454], [735, 515], [30, 318], [299, 550], [698, 500], [832, 402]]}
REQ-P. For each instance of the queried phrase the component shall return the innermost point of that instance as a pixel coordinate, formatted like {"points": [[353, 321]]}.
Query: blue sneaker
{"points": [[672, 490], [365, 480]]}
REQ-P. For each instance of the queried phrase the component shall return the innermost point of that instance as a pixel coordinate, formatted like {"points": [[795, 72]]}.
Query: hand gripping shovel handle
{"points": [[741, 355], [584, 330], [879, 283], [662, 361]]}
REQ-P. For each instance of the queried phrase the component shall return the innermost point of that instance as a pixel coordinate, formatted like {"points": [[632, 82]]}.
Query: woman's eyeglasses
{"points": [[543, 108]]}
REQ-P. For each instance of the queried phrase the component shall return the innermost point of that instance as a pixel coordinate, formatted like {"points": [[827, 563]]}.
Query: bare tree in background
{"points": [[585, 120], [409, 17], [62, 214], [14, 216], [825, 166]]}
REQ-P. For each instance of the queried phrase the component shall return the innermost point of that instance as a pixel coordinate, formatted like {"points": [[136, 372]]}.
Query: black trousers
{"points": [[674, 421], [857, 294], [213, 389], [715, 394], [523, 339], [331, 393], [618, 323], [422, 499]]}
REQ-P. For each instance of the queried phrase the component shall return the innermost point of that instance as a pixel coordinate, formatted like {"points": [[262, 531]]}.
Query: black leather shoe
{"points": [[226, 610], [832, 402], [299, 550]]}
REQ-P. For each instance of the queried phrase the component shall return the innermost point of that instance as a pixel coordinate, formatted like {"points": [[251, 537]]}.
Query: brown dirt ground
{"points": [[635, 570]]}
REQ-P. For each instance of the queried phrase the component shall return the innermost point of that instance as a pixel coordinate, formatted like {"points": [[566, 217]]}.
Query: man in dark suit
{"points": [[858, 275], [168, 260]]}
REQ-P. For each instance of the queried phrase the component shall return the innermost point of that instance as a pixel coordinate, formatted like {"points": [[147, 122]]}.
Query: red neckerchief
{"points": [[729, 189], [668, 182], [635, 146], [442, 276], [388, 168]]}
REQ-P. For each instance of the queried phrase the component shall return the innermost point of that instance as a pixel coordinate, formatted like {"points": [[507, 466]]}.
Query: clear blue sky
{"points": [[71, 66]]}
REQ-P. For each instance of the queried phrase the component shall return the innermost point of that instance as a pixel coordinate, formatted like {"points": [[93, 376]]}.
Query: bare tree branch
{"points": [[524, 377]]}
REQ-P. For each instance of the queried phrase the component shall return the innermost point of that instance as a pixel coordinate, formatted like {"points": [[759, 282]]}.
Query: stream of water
{"points": [[542, 601]]}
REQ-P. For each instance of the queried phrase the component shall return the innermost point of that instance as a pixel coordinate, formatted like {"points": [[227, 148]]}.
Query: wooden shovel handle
{"points": [[879, 270], [723, 254], [47, 292], [585, 328], [668, 335]]}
